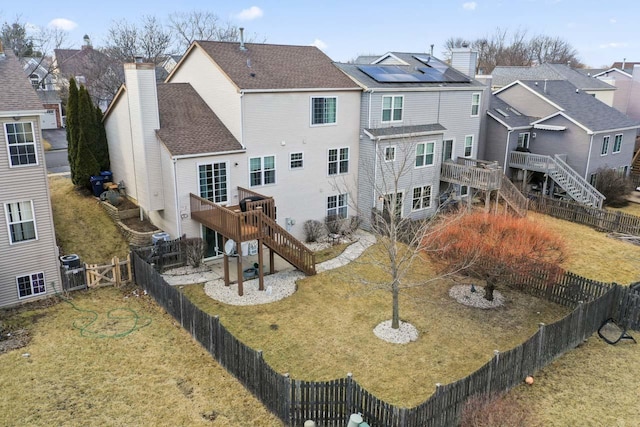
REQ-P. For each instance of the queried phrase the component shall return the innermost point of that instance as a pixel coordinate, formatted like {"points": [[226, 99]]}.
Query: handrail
{"points": [[482, 178], [588, 191], [288, 247], [513, 196]]}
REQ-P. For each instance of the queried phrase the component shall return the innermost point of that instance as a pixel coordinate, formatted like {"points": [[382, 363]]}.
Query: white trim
{"points": [[22, 113], [479, 103], [338, 206], [44, 281], [393, 102], [196, 155], [563, 114], [301, 160], [228, 176], [549, 127], [262, 183], [464, 147], [424, 156], [519, 83], [421, 196], [337, 161], [602, 145], [387, 55], [33, 214], [613, 148], [497, 119], [314, 89], [402, 205], [384, 154], [35, 143], [403, 135], [311, 124], [612, 70]]}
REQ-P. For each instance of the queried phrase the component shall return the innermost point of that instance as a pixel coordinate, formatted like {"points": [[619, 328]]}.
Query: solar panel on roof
{"points": [[439, 73]]}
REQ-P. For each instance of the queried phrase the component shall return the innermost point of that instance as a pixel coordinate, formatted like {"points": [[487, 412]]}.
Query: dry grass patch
{"points": [[631, 209], [592, 254], [325, 330], [330, 252], [82, 226], [154, 375]]}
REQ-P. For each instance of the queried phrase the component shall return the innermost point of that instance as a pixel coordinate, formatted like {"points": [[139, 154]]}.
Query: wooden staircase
{"points": [[513, 197], [255, 223], [562, 174]]}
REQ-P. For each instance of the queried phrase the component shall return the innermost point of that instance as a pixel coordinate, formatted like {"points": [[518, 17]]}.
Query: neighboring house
{"points": [[551, 129], [38, 70], [416, 114], [504, 76], [170, 62], [101, 75], [627, 82], [277, 120], [29, 265]]}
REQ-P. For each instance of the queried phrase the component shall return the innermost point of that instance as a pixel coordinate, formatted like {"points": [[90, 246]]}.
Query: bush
{"points": [[496, 411], [334, 224], [614, 186], [354, 223], [313, 230], [194, 248]]}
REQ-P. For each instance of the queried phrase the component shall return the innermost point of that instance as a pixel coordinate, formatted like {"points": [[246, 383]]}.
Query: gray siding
{"points": [[574, 142], [526, 102], [495, 140], [611, 159], [33, 256]]}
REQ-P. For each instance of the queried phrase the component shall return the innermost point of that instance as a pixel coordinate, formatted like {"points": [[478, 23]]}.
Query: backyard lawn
{"points": [[155, 374]]}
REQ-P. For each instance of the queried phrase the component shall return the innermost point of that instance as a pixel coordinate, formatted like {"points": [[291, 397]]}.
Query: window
{"points": [[605, 145], [31, 284], [35, 81], [323, 111], [296, 161], [213, 182], [593, 179], [392, 206], [424, 153], [20, 218], [337, 205], [475, 104], [468, 145], [617, 143], [447, 152], [392, 108], [22, 145], [390, 153], [464, 190], [421, 197], [523, 140], [262, 170], [338, 161]]}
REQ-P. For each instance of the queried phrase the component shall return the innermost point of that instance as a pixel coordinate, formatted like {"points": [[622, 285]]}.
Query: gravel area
{"points": [[463, 294], [403, 335]]}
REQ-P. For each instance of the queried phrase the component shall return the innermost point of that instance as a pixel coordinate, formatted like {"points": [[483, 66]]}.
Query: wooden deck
{"points": [[474, 173]]}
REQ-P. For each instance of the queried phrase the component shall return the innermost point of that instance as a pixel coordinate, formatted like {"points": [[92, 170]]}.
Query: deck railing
{"points": [[472, 173], [513, 196]]}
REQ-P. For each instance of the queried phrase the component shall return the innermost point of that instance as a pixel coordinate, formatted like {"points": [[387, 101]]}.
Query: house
{"points": [[38, 70], [627, 83], [553, 136], [417, 115], [503, 76], [232, 121], [101, 75], [29, 266]]}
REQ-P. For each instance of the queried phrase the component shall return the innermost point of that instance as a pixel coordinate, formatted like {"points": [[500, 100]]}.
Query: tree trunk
{"points": [[488, 291], [395, 318]]}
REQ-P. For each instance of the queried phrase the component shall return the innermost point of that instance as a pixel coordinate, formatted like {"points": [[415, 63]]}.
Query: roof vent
{"points": [[242, 39]]}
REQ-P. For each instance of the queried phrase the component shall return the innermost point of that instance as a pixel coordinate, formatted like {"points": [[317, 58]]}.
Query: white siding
{"points": [[118, 129]]}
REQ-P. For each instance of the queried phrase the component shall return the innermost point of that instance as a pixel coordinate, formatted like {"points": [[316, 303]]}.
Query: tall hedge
{"points": [[86, 163], [101, 151], [72, 128]]}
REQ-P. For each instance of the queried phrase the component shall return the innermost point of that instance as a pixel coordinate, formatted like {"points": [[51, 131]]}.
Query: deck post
{"points": [[524, 180], [487, 201], [272, 262], [239, 264], [226, 262], [260, 268]]}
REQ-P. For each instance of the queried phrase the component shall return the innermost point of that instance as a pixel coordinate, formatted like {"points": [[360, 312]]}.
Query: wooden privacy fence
{"points": [[330, 403], [600, 219], [117, 273]]}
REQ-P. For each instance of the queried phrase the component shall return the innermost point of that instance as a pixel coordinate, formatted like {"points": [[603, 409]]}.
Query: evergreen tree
{"points": [[72, 128], [101, 146], [86, 163]]}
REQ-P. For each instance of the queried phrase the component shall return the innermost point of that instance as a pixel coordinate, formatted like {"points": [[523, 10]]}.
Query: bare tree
{"points": [[554, 50], [149, 39]]}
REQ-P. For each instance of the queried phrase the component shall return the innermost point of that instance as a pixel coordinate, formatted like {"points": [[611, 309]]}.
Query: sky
{"points": [[601, 32]]}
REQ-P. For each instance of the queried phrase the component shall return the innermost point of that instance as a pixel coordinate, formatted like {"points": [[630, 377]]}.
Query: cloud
{"points": [[613, 45], [319, 44], [470, 5], [250, 14], [62, 24], [612, 20]]}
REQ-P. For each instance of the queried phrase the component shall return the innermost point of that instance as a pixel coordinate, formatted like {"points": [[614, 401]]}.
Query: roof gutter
{"points": [[215, 153], [320, 89], [22, 113]]}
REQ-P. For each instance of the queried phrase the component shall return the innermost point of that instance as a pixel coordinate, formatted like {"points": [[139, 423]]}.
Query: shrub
{"points": [[313, 230], [614, 186], [496, 411], [334, 224], [194, 248], [354, 223]]}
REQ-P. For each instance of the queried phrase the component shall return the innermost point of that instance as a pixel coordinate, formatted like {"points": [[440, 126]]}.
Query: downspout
{"points": [[506, 152], [375, 173], [369, 115], [242, 120], [175, 191], [588, 159]]}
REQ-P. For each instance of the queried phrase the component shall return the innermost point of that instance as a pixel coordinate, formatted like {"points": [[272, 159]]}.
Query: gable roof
{"points": [[507, 115], [79, 62], [412, 67], [613, 70], [275, 67], [626, 66], [577, 105], [17, 92], [188, 125], [503, 76]]}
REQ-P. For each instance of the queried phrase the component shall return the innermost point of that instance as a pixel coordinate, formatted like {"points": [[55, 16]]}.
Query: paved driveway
{"points": [[56, 159]]}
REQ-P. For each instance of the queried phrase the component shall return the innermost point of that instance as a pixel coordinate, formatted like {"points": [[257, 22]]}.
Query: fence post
{"points": [[218, 347], [349, 394], [581, 326], [287, 400], [540, 341]]}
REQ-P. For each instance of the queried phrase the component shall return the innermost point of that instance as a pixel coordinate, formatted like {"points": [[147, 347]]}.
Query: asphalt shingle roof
{"points": [[502, 76], [17, 92], [269, 66], [581, 106], [188, 125], [406, 130], [513, 119]]}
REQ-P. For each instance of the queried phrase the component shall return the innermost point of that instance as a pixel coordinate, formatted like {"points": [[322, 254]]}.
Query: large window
{"points": [[523, 140], [605, 145], [213, 182], [337, 205], [296, 161], [392, 108], [262, 170], [475, 104], [21, 221], [324, 110], [617, 143], [424, 153], [22, 144], [31, 284], [338, 161], [421, 197], [468, 145], [447, 150], [392, 206]]}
